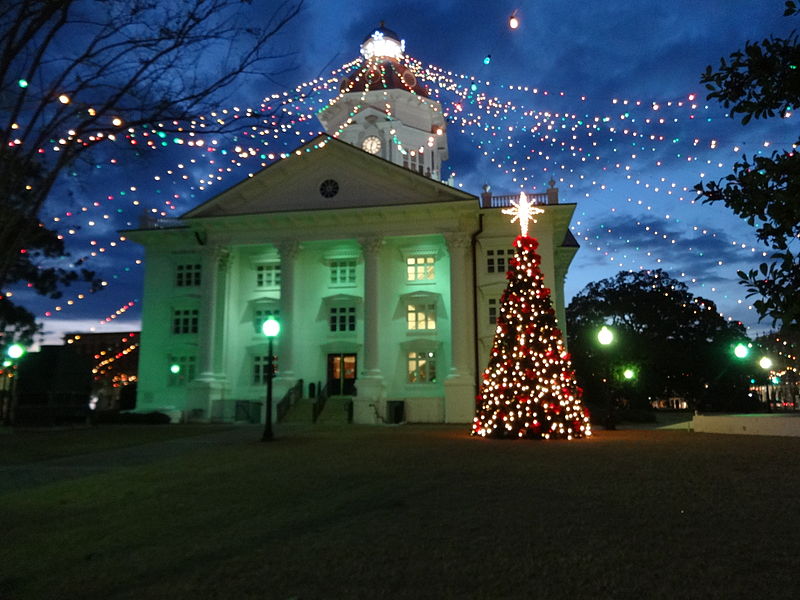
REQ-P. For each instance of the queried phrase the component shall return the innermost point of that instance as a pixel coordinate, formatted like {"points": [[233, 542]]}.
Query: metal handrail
{"points": [[319, 403], [292, 395]]}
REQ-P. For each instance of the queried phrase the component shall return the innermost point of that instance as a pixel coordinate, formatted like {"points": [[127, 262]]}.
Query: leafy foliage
{"points": [[677, 344], [763, 81]]}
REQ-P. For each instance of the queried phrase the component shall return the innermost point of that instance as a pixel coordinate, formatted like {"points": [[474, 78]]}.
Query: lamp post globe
{"points": [[15, 351], [271, 328], [765, 362], [605, 336], [741, 351]]}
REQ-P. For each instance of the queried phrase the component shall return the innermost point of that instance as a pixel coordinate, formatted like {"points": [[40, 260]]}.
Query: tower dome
{"points": [[383, 50], [383, 109], [383, 42]]}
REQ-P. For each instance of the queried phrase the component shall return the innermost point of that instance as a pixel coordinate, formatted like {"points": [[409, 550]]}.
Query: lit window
{"points": [[420, 268], [268, 276], [421, 367], [343, 318], [260, 369], [492, 311], [343, 272], [187, 275], [421, 316], [184, 321], [181, 370], [497, 260]]}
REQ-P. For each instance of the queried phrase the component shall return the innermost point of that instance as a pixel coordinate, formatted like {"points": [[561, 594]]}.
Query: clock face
{"points": [[371, 144]]}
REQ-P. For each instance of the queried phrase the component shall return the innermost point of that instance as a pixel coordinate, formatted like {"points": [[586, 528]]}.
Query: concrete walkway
{"points": [[16, 477]]}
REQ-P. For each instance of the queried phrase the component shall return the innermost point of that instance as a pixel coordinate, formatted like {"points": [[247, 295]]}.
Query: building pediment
{"points": [[327, 174]]}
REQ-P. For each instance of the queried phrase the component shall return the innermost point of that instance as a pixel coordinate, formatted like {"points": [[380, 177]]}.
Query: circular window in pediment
{"points": [[329, 188]]}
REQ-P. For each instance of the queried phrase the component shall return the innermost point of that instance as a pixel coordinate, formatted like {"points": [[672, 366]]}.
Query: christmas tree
{"points": [[529, 388]]}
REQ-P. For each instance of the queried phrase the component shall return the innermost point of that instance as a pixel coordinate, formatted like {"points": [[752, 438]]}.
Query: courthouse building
{"points": [[386, 280]]}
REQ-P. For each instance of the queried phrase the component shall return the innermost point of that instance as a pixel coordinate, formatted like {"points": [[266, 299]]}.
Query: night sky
{"points": [[604, 96]]}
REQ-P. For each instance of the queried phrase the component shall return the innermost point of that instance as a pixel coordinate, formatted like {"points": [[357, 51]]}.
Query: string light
{"points": [[519, 141], [528, 390]]}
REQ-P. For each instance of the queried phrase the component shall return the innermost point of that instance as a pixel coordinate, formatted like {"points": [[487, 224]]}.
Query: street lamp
{"points": [[270, 328], [13, 353], [765, 362], [605, 336], [741, 351], [629, 374]]}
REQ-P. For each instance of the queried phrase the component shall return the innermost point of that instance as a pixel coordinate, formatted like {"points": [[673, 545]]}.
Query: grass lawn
{"points": [[29, 445], [418, 512]]}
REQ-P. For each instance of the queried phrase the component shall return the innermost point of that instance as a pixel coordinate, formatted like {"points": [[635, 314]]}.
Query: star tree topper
{"points": [[523, 211]]}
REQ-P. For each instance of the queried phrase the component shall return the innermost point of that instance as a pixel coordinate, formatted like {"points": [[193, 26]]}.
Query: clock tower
{"points": [[385, 111]]}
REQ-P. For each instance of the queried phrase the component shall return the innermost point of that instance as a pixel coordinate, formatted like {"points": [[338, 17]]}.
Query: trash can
{"points": [[395, 411]]}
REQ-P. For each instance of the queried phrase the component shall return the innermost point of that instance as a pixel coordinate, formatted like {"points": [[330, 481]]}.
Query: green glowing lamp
{"points": [[605, 336], [270, 328], [15, 351]]}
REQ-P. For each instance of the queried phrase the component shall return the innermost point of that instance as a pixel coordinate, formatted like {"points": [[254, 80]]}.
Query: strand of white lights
{"points": [[585, 235]]}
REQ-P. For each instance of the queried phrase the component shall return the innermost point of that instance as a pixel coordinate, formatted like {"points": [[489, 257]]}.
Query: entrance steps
{"points": [[337, 410], [299, 412]]}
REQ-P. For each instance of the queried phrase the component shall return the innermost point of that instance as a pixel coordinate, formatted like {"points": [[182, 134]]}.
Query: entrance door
{"points": [[341, 374]]}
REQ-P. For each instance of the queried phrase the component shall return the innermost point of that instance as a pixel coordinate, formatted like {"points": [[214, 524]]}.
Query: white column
{"points": [[288, 251], [370, 386], [459, 386], [215, 259], [371, 248], [458, 244], [207, 391]]}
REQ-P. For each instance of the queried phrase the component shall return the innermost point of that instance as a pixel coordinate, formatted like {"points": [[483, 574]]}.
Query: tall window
{"points": [[268, 276], [187, 275], [421, 367], [343, 318], [415, 161], [343, 272], [260, 368], [421, 316], [181, 370], [184, 321], [497, 260], [492, 311], [420, 268]]}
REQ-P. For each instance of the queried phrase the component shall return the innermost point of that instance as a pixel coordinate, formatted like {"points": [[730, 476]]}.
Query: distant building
{"points": [[386, 281], [52, 386], [115, 363]]}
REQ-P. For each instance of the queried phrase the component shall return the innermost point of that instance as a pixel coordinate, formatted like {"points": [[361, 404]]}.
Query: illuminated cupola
{"points": [[383, 43], [384, 110]]}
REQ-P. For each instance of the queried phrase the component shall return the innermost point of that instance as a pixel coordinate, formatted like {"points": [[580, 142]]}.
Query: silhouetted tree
{"points": [[76, 73], [677, 344], [763, 81]]}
